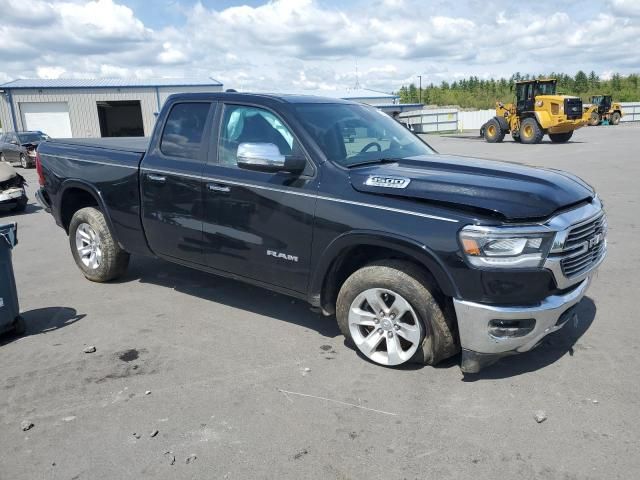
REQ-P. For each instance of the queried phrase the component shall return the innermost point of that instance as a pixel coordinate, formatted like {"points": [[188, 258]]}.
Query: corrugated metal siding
{"points": [[83, 110]]}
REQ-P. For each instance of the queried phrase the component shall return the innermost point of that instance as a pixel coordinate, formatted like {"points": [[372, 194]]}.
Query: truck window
{"points": [[182, 134], [242, 124]]}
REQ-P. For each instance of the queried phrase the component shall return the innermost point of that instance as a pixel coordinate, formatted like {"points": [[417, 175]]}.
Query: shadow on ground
{"points": [[44, 320], [552, 348], [229, 292]]}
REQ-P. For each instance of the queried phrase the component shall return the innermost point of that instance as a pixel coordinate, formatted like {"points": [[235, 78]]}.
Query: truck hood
{"points": [[511, 191]]}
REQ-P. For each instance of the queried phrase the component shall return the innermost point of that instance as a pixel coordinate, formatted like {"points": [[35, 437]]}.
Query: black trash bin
{"points": [[9, 308]]}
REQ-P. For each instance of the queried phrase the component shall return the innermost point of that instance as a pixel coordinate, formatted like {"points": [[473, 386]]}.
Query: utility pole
{"points": [[420, 89]]}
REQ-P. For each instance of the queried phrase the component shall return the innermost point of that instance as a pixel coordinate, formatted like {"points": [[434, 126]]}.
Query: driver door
{"points": [[258, 224]]}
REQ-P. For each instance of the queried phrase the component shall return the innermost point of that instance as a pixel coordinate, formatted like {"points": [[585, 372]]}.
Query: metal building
{"points": [[64, 108]]}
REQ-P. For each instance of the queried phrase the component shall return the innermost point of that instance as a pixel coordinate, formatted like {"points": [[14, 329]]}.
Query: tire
{"points": [[102, 259], [594, 119], [530, 131], [432, 332], [23, 161], [615, 118], [493, 131], [21, 206], [560, 137]]}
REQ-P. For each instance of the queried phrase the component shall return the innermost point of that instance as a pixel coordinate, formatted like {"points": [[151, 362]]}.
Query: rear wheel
{"points": [[387, 310], [560, 137], [615, 118], [594, 119], [530, 131], [493, 132], [93, 247]]}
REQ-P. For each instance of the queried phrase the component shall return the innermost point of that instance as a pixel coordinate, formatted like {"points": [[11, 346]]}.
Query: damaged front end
{"points": [[12, 193]]}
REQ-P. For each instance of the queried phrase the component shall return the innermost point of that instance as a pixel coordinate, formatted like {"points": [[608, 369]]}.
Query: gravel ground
{"points": [[243, 383]]}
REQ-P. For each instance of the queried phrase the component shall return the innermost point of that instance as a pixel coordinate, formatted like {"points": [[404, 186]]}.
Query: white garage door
{"points": [[50, 118]]}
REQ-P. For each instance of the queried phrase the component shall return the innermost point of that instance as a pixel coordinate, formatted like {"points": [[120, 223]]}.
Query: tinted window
{"points": [[350, 133], [182, 135], [32, 137], [252, 125]]}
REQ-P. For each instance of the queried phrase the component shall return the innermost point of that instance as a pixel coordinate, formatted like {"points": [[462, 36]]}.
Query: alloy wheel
{"points": [[384, 326], [89, 246]]}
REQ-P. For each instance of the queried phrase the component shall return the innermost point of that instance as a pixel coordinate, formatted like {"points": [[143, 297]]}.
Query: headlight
{"points": [[507, 247]]}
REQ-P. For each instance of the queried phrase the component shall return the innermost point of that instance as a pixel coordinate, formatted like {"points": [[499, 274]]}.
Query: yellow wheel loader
{"points": [[538, 110], [603, 111]]}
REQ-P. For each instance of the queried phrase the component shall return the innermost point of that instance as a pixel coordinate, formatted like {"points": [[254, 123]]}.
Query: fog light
{"points": [[511, 328]]}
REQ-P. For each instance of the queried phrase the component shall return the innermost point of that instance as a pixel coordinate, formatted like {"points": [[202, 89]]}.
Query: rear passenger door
{"points": [[171, 183]]}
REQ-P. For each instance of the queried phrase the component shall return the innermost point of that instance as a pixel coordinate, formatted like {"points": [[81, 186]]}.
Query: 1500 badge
{"points": [[387, 182]]}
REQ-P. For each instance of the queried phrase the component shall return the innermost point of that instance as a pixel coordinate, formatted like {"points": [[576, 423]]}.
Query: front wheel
{"points": [[530, 131], [21, 206], [615, 118], [594, 119], [388, 311], [93, 247], [560, 137]]}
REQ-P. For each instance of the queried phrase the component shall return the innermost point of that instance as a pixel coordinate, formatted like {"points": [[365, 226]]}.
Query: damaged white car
{"points": [[12, 194]]}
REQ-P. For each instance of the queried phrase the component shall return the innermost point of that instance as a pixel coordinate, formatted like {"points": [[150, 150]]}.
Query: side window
{"points": [[183, 131], [242, 124]]}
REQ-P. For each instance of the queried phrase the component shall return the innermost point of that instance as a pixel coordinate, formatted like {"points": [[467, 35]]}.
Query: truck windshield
{"points": [[546, 88], [352, 134]]}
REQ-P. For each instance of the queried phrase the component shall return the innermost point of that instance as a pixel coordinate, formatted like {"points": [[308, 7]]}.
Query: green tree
{"points": [[581, 82]]}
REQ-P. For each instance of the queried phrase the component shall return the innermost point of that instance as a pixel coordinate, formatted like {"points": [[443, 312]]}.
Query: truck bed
{"points": [[125, 144]]}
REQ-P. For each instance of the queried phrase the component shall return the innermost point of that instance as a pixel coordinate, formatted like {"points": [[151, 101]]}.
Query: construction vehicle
{"points": [[538, 110], [603, 111]]}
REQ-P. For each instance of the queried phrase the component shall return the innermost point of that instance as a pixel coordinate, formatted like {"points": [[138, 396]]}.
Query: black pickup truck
{"points": [[419, 255]]}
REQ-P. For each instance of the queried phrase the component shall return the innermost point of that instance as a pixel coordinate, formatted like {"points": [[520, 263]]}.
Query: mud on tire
{"points": [[114, 260], [439, 340]]}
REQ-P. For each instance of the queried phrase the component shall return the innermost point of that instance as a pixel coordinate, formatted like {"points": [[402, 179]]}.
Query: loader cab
{"points": [[526, 93], [603, 102]]}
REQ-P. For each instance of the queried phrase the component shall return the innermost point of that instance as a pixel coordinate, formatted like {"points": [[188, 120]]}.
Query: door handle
{"points": [[216, 187], [156, 178]]}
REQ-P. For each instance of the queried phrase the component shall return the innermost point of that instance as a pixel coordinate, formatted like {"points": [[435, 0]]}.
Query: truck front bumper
{"points": [[489, 332]]}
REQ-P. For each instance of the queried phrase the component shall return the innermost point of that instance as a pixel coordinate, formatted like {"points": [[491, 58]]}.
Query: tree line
{"points": [[474, 92]]}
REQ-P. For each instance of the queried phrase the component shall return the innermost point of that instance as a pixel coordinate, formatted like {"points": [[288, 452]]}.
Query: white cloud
{"points": [[282, 44], [629, 8], [50, 72]]}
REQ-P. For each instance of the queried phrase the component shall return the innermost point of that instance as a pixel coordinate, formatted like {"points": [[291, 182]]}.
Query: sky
{"points": [[294, 45]]}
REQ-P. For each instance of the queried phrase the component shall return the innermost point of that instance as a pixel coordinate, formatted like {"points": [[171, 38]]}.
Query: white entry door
{"points": [[50, 118]]}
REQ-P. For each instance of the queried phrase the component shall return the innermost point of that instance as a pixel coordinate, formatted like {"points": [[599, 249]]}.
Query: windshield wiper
{"points": [[373, 161]]}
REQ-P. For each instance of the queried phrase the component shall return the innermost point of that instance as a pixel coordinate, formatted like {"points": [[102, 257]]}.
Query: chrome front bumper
{"points": [[481, 348]]}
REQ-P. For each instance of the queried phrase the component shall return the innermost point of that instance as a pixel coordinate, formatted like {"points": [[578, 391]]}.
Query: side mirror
{"points": [[266, 157]]}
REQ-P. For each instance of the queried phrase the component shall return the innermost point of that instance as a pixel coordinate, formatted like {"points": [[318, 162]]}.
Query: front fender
{"points": [[409, 247]]}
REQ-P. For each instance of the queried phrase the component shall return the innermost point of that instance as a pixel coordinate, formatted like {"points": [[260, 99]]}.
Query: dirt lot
{"points": [[216, 356]]}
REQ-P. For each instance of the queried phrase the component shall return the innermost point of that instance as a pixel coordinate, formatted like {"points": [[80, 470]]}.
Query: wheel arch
{"points": [[77, 194], [352, 250]]}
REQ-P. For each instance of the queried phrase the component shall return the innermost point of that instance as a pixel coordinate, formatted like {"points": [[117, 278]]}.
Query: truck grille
{"points": [[573, 108], [584, 246]]}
